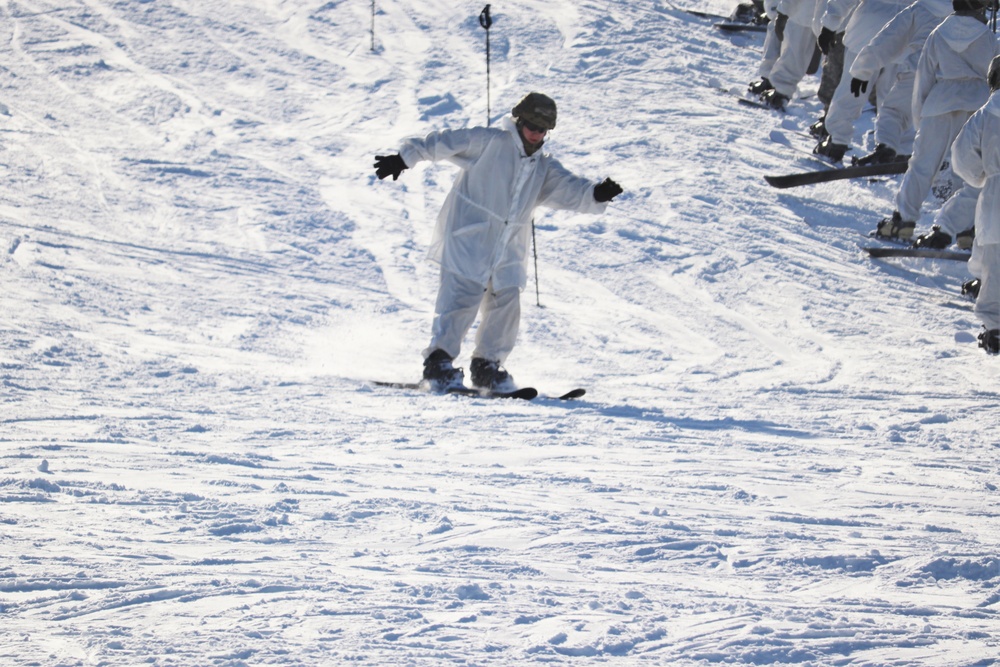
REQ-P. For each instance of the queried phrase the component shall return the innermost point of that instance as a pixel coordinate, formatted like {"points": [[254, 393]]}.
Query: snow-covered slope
{"points": [[787, 454]]}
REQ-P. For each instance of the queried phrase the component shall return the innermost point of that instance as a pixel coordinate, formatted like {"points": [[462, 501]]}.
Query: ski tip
{"points": [[575, 393]]}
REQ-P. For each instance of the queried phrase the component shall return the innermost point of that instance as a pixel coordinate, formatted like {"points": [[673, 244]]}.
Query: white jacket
{"points": [[837, 13], [801, 12], [483, 232], [901, 40], [869, 17], [951, 73], [975, 157]]}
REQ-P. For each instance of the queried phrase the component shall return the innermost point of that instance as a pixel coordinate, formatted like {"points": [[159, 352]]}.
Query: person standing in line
{"points": [[975, 157], [794, 27], [899, 43], [868, 17], [950, 85]]}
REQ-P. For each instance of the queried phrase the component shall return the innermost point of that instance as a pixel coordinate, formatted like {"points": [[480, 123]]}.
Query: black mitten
{"points": [[389, 165], [858, 86], [607, 190]]}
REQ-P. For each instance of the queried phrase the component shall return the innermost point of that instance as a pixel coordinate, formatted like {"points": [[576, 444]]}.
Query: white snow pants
{"points": [[894, 122], [959, 212], [933, 142], [845, 108], [985, 265], [797, 50], [772, 49], [458, 301]]}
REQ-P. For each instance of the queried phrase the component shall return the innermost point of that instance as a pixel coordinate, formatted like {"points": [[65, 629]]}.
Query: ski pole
{"points": [[373, 25], [534, 250], [486, 21]]}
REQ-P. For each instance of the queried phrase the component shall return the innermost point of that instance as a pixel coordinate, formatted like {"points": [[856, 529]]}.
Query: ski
{"points": [[927, 253], [697, 12], [570, 395], [836, 174], [756, 105], [740, 27], [524, 393]]}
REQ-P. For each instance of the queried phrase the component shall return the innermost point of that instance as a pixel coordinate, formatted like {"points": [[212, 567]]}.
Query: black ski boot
{"points": [[818, 129], [827, 148], [488, 375], [935, 239], [964, 239], [745, 12], [970, 288], [990, 341], [894, 228], [760, 86], [440, 374], [881, 155], [775, 100]]}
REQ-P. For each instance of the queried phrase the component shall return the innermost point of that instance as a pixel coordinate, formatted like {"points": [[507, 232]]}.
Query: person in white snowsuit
{"points": [[898, 43], [868, 17], [772, 49], [484, 232], [795, 28], [975, 157], [950, 85]]}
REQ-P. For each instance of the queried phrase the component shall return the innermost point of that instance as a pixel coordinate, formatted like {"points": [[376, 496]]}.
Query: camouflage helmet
{"points": [[537, 109]]}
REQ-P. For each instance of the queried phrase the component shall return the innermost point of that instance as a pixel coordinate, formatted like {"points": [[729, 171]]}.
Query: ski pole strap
{"points": [[485, 19]]}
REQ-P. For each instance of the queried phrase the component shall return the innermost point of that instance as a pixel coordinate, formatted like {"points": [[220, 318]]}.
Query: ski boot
{"points": [[745, 12], [828, 149], [894, 228], [964, 239], [439, 374], [818, 129], [881, 155], [760, 86], [990, 341], [775, 100], [935, 239], [487, 375], [970, 288]]}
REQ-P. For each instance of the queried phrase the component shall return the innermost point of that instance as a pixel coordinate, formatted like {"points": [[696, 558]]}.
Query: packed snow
{"points": [[787, 453]]}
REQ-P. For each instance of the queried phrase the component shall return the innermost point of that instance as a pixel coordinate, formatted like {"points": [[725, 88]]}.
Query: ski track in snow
{"points": [[787, 452]]}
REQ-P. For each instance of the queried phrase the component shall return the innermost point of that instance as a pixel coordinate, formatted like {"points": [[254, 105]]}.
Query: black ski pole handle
{"points": [[485, 19]]}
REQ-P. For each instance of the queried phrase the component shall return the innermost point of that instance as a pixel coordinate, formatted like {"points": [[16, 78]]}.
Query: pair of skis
{"points": [[524, 393]]}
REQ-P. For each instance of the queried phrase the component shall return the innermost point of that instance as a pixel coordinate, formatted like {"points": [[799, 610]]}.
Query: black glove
{"points": [[779, 26], [386, 165], [826, 39], [607, 190], [858, 86]]}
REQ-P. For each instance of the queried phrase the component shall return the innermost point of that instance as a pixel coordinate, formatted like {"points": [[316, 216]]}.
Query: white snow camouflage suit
{"points": [[976, 159], [483, 232]]}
